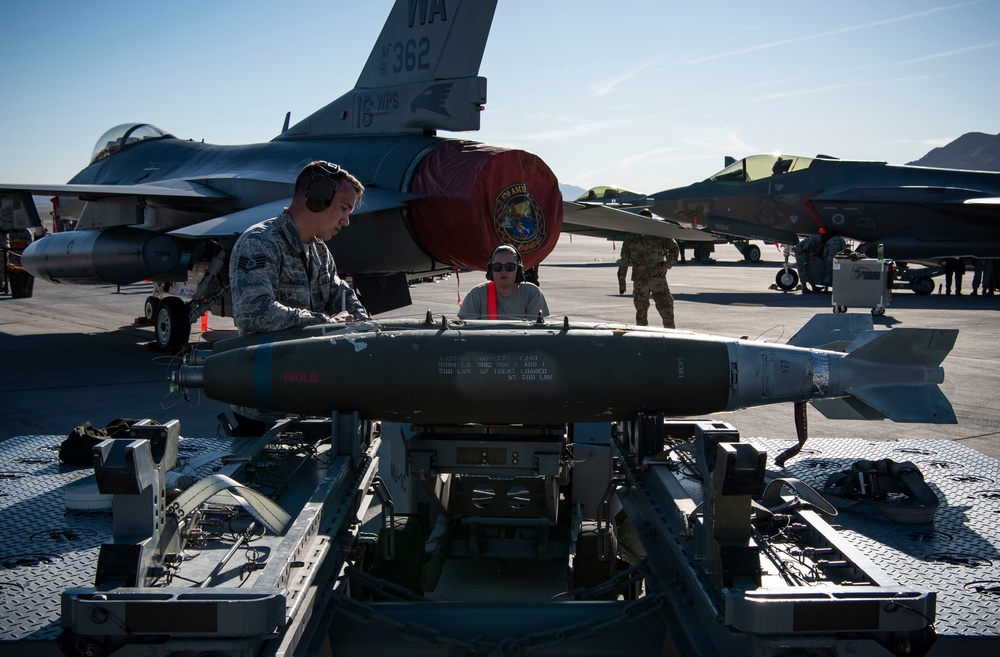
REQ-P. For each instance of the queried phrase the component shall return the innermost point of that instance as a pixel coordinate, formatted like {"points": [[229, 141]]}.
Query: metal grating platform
{"points": [[46, 548], [958, 555]]}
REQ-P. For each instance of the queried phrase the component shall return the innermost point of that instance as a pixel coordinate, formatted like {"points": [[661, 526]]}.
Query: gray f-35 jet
{"points": [[915, 214]]}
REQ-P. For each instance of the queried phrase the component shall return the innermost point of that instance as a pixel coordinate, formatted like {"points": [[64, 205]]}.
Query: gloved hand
{"points": [[621, 290]]}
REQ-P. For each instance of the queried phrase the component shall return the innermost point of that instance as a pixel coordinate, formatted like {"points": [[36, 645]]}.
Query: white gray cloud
{"points": [[820, 35], [608, 85]]}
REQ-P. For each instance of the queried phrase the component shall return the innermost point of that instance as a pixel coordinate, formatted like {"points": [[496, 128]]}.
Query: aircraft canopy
{"points": [[123, 135], [605, 193], [758, 167]]}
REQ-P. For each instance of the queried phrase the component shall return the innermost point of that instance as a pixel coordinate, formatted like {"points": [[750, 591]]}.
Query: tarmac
{"points": [[72, 354]]}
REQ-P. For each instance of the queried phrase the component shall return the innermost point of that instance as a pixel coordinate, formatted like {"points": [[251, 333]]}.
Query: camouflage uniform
{"points": [[816, 246], [804, 250], [833, 246], [648, 255], [279, 282]]}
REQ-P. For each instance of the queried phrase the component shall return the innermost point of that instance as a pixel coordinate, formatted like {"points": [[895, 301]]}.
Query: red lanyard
{"points": [[491, 300]]}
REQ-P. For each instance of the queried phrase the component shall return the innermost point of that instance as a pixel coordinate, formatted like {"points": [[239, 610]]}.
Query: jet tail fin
{"points": [[421, 76], [425, 40], [899, 371]]}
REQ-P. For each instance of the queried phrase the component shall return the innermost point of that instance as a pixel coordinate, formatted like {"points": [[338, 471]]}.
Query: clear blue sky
{"points": [[643, 94]]}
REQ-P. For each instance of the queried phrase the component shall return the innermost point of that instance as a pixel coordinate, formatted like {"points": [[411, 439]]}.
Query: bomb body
{"points": [[535, 373]]}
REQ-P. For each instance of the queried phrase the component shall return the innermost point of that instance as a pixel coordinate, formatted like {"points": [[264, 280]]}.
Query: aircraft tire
{"points": [[752, 253], [151, 307], [922, 285], [702, 252], [173, 326], [786, 279]]}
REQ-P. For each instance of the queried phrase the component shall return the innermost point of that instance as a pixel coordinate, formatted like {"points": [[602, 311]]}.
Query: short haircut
{"points": [[324, 169], [505, 248]]}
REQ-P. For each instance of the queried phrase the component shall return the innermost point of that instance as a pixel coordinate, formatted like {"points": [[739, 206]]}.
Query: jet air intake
{"points": [[477, 197]]}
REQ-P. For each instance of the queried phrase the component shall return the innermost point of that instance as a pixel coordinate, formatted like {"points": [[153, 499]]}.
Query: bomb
{"points": [[550, 372]]}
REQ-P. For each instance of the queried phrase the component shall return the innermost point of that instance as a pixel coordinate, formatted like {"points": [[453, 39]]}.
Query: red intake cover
{"points": [[479, 197]]}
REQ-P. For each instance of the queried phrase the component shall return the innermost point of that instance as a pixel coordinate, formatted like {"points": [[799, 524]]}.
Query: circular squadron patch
{"points": [[518, 218]]}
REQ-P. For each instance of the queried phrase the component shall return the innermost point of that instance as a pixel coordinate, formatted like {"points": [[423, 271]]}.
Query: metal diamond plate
{"points": [[46, 548], [957, 555]]}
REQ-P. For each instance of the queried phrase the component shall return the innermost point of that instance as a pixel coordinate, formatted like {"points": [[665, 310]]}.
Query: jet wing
{"points": [[184, 190], [236, 223], [602, 221]]}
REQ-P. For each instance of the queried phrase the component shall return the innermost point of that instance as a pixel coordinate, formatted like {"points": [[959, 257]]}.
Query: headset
{"points": [[322, 186], [519, 277]]}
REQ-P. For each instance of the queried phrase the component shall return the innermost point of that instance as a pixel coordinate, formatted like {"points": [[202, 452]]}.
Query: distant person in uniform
{"points": [[983, 276], [825, 244], [282, 273], [954, 269], [804, 251], [506, 294], [833, 244], [650, 257]]}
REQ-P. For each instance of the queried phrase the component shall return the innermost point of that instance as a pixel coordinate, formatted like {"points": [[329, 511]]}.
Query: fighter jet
{"points": [[608, 195], [914, 214], [151, 206], [701, 240]]}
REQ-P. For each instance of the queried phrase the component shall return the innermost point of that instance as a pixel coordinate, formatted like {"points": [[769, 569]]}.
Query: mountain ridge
{"points": [[975, 151]]}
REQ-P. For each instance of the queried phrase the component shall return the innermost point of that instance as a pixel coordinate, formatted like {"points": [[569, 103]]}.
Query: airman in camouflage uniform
{"points": [[281, 272], [280, 282], [825, 245], [650, 258]]}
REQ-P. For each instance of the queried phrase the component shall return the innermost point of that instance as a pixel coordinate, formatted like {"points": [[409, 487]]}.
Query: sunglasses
{"points": [[500, 266]]}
